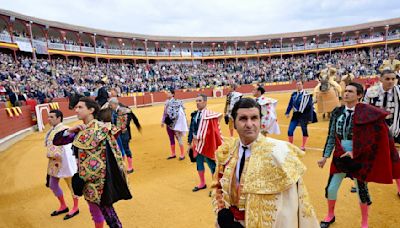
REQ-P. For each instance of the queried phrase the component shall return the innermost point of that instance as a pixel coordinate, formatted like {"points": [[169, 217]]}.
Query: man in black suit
{"points": [[102, 94]]}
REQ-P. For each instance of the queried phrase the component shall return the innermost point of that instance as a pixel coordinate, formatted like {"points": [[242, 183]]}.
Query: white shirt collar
{"points": [[390, 91], [352, 109], [249, 145]]}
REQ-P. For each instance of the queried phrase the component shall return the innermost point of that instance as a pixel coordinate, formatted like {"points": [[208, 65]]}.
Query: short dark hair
{"points": [[105, 115], [172, 91], [58, 113], [203, 96], [90, 103], [244, 103], [261, 89], [299, 80], [359, 87], [387, 71]]}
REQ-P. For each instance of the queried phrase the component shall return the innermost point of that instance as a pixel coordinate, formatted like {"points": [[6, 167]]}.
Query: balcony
{"points": [[176, 53], [324, 45], [151, 53], [286, 49], [350, 42], [56, 46], [310, 46], [300, 48], [393, 37], [22, 39], [339, 44], [5, 38], [101, 51], [127, 52], [230, 52], [140, 53], [88, 49], [164, 53], [114, 51], [70, 47], [275, 50], [186, 53]]}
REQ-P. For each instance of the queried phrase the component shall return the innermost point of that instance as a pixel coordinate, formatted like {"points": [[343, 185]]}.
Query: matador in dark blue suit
{"points": [[303, 112]]}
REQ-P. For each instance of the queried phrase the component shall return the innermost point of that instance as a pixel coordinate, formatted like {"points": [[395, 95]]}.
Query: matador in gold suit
{"points": [[270, 192]]}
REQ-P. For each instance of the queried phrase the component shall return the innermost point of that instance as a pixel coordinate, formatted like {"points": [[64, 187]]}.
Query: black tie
{"points": [[385, 100], [199, 117], [348, 118], [242, 161]]}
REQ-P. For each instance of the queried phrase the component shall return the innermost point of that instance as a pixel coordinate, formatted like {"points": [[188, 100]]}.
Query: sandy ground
{"points": [[161, 189]]}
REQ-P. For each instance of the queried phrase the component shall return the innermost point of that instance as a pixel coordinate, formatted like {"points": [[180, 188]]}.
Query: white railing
{"points": [[127, 52], [39, 42], [393, 37], [263, 51], [350, 42], [371, 40], [325, 45], [336, 44], [56, 46], [175, 53], [22, 39], [241, 52], [88, 49], [298, 48], [230, 52], [151, 53], [219, 53], [5, 38], [114, 51], [275, 50], [164, 53], [197, 54], [310, 46], [140, 53], [70, 47], [286, 49], [252, 52], [208, 53], [101, 50], [186, 53]]}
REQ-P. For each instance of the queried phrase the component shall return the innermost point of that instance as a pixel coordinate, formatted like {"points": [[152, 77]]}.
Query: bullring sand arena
{"points": [[162, 189]]}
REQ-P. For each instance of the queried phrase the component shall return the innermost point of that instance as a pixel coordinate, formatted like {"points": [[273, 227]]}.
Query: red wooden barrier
{"points": [[12, 125], [9, 125]]}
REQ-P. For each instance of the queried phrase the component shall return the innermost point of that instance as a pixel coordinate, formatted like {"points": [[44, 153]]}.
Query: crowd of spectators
{"points": [[46, 79]]}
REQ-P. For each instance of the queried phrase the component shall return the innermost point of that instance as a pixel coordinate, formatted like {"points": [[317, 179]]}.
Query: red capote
{"points": [[209, 134], [373, 148]]}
